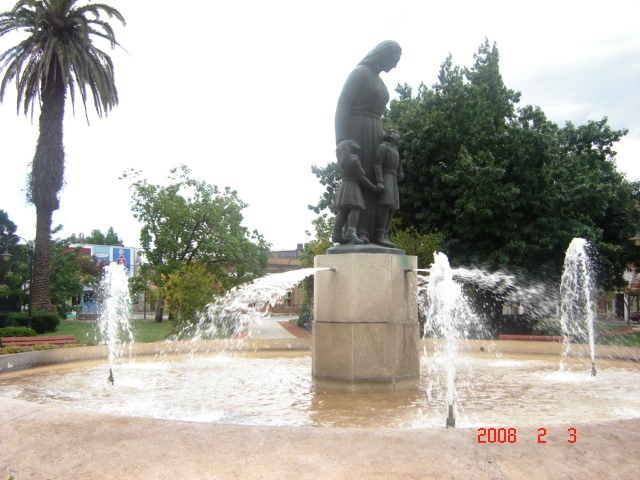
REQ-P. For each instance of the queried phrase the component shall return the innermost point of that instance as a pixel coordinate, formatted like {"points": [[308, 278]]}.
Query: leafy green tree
{"points": [[71, 271], [96, 237], [319, 241], [14, 272], [189, 221], [7, 230], [188, 290], [57, 55]]}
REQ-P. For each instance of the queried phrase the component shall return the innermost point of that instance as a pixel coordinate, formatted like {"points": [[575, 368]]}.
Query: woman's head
{"points": [[385, 56]]}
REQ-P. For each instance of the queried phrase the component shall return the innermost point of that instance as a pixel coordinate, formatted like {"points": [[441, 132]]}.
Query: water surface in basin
{"points": [[274, 388]]}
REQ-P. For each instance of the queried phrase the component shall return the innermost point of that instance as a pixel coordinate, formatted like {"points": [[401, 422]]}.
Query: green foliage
{"points": [[17, 332], [547, 326], [506, 187], [189, 289], [421, 245], [41, 322], [71, 271], [11, 349], [329, 177], [317, 242], [189, 221], [7, 228], [96, 237], [59, 40], [305, 315]]}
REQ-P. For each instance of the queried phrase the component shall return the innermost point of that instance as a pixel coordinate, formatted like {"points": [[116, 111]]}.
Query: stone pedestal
{"points": [[365, 329]]}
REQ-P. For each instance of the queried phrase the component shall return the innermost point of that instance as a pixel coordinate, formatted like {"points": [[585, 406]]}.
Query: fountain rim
{"points": [[26, 360]]}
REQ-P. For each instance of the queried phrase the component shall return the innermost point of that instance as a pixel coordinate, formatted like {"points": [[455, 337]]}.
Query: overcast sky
{"points": [[244, 93]]}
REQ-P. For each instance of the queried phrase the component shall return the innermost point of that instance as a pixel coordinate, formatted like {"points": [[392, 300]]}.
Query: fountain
{"points": [[471, 382], [113, 322], [577, 308], [456, 372]]}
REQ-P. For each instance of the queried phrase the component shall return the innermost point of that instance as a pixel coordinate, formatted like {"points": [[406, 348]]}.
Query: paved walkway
{"points": [[270, 329]]}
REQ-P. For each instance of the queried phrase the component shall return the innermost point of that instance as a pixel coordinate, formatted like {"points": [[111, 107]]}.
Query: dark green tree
{"points": [[189, 221], [56, 56], [507, 187]]}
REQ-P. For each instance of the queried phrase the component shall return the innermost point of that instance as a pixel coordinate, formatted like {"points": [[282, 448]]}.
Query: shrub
{"points": [[548, 326], [17, 332], [305, 315], [41, 322]]}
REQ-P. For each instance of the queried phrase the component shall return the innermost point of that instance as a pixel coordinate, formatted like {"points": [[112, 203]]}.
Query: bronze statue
{"points": [[386, 167], [349, 199], [361, 104]]}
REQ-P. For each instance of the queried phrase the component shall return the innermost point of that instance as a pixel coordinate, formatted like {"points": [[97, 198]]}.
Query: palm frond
{"points": [[59, 47]]}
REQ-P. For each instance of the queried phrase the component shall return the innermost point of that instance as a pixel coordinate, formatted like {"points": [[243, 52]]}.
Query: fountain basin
{"points": [[499, 384], [56, 441]]}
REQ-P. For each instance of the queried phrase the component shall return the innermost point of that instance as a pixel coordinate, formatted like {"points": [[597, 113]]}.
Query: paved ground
{"points": [[269, 328], [45, 442]]}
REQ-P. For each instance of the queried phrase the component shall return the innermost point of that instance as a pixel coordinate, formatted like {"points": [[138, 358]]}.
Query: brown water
{"points": [[274, 388]]}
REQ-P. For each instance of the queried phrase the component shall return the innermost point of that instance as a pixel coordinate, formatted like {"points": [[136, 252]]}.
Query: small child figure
{"points": [[386, 168], [348, 200]]}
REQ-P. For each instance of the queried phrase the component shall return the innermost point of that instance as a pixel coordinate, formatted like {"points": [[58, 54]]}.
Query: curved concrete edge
{"points": [[58, 442], [21, 361], [542, 348]]}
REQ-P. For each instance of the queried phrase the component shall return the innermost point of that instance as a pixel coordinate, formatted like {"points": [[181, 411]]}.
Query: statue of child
{"points": [[386, 168], [348, 199]]}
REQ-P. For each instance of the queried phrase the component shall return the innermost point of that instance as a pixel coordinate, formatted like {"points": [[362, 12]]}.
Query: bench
{"points": [[58, 340], [635, 316], [534, 338], [88, 316]]}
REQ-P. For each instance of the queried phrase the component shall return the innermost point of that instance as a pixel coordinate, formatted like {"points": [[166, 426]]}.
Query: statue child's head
{"points": [[346, 148], [392, 136]]}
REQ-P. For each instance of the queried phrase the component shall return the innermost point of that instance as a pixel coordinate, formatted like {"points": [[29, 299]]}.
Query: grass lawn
{"points": [[144, 331], [607, 327], [624, 340]]}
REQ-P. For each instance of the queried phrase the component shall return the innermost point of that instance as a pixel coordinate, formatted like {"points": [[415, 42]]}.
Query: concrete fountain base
{"points": [[365, 329]]}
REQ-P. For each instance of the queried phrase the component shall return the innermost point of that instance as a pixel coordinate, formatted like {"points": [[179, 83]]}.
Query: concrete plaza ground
{"points": [[49, 442]]}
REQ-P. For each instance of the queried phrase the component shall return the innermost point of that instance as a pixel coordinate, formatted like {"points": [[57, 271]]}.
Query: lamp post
{"points": [[6, 256]]}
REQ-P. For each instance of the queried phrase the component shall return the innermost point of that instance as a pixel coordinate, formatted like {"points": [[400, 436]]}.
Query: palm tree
{"points": [[57, 55]]}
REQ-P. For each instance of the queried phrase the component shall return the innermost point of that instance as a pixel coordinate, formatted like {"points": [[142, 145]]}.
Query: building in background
{"points": [[282, 261], [129, 257]]}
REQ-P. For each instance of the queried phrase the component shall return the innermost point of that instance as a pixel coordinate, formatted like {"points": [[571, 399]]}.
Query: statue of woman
{"points": [[361, 104]]}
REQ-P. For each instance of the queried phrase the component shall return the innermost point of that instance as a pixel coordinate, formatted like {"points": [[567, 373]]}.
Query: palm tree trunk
{"points": [[39, 291], [47, 173]]}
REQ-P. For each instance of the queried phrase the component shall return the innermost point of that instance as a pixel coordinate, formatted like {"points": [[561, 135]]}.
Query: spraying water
{"points": [[447, 313], [242, 309], [115, 328], [577, 307]]}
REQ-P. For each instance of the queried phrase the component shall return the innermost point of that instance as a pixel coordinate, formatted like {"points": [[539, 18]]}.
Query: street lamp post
{"points": [[6, 256]]}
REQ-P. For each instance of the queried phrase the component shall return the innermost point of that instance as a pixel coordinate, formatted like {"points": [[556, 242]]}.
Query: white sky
{"points": [[244, 93]]}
